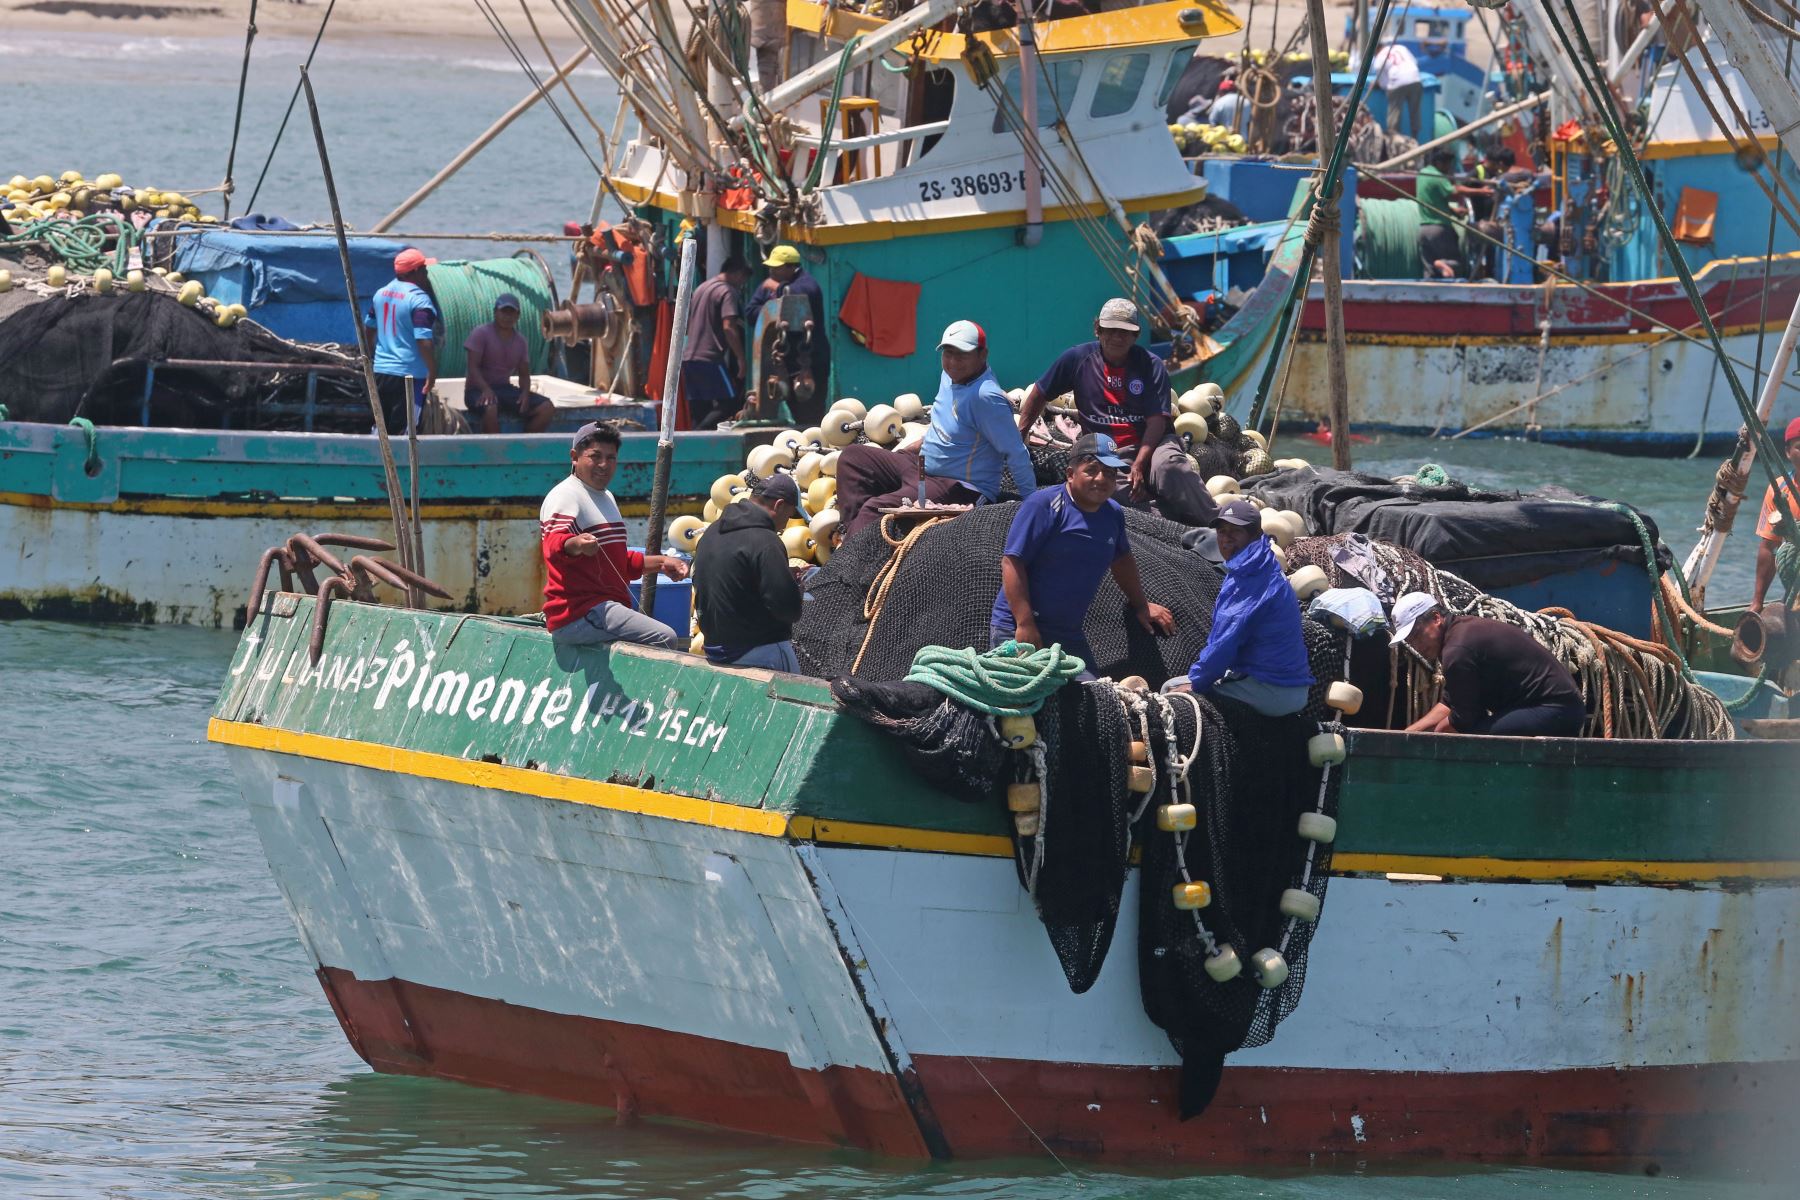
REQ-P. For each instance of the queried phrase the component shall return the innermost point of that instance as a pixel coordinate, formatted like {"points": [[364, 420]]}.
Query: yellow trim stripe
{"points": [[308, 510], [1690, 147], [765, 823], [1431, 340]]}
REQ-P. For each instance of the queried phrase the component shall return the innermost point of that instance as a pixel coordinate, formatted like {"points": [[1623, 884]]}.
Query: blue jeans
{"points": [[774, 656]]}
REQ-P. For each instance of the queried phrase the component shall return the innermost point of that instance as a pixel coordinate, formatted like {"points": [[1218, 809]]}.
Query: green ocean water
{"points": [[161, 1034]]}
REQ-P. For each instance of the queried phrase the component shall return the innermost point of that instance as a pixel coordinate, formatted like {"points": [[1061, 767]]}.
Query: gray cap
{"points": [[779, 486], [584, 433], [1238, 511], [1119, 313]]}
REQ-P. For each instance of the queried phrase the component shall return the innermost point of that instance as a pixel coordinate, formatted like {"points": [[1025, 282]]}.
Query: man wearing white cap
{"points": [[972, 437], [1497, 678], [1122, 390]]}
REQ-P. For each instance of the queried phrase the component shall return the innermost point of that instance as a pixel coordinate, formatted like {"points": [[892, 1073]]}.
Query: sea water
{"points": [[161, 1032]]}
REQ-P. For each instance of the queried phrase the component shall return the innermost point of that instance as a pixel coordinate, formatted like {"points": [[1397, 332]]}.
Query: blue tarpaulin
{"points": [[293, 286]]}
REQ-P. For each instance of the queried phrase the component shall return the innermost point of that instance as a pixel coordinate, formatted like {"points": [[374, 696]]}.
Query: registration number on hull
{"points": [[979, 183]]}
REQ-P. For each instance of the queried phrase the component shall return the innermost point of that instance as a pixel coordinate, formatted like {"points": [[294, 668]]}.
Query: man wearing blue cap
{"points": [[1063, 542], [498, 353]]}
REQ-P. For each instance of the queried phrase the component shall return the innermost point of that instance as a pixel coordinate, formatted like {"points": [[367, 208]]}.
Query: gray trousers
{"points": [[1266, 698], [610, 622], [775, 656], [1180, 493]]}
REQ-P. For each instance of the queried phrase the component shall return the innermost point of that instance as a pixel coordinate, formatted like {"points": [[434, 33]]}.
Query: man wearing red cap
{"points": [[403, 325], [1775, 555]]}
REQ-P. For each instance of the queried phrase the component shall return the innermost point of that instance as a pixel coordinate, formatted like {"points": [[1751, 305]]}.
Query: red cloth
{"points": [[882, 315], [659, 364]]}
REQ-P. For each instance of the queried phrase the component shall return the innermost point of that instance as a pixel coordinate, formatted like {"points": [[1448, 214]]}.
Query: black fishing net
{"points": [[1250, 779], [86, 356]]}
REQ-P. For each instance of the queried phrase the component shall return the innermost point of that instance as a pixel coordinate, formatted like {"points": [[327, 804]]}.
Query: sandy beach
{"points": [[296, 18]]}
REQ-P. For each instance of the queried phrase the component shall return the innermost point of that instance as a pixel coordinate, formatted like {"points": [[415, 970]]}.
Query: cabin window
{"points": [[1064, 76], [1120, 82], [1178, 64]]}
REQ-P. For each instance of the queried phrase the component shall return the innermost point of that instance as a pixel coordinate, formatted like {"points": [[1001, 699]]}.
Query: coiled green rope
{"points": [[466, 292], [1010, 680], [80, 243]]}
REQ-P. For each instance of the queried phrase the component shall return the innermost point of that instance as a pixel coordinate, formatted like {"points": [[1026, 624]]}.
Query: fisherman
{"points": [[788, 278], [972, 436], [1497, 678], [1397, 76], [1063, 540], [745, 596], [1774, 555], [1229, 109], [1122, 391], [400, 332], [499, 352], [588, 569], [1255, 652], [1439, 246], [712, 364]]}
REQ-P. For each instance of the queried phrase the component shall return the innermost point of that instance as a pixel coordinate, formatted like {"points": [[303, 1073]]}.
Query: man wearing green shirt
{"points": [[1439, 245]]}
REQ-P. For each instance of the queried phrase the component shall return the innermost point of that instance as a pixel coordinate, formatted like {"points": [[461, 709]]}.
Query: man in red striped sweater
{"points": [[588, 568]]}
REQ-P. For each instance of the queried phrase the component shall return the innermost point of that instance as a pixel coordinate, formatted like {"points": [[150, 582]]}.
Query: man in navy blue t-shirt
{"points": [[1122, 390], [1063, 542]]}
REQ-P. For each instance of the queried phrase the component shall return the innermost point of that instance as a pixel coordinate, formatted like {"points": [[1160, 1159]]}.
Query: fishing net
{"points": [[85, 355], [1632, 688]]}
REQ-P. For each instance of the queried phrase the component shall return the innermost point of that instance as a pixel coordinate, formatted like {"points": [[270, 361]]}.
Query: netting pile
{"points": [[84, 354], [893, 589], [1632, 688], [1222, 453]]}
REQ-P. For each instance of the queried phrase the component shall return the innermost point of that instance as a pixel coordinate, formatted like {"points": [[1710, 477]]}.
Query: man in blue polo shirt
{"points": [[971, 438], [1063, 542], [1122, 390], [402, 327]]}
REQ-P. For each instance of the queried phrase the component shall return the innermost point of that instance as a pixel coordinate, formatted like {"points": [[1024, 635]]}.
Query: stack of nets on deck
{"points": [[1633, 688], [896, 588]]}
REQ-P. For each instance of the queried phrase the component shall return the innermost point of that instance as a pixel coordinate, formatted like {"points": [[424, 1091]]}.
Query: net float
{"points": [[1347, 698], [1300, 904], [1270, 969], [1177, 818], [1017, 733], [684, 532], [1189, 896]]}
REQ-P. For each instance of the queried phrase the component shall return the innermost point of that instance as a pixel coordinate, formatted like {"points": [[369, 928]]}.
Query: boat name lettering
{"points": [[981, 183], [401, 673]]}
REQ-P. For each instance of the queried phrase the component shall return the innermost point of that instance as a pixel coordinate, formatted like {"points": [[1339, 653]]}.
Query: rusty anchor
{"points": [[299, 559]]}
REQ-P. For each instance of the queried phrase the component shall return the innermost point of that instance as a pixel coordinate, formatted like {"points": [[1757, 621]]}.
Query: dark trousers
{"points": [[391, 390], [1537, 720], [1409, 96], [712, 393], [870, 479]]}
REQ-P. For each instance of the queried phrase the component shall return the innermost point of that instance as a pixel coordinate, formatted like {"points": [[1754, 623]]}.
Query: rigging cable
{"points": [[292, 100], [237, 121]]}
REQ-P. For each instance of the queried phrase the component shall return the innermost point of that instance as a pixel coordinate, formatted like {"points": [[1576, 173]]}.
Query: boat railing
{"points": [[307, 409], [839, 147]]}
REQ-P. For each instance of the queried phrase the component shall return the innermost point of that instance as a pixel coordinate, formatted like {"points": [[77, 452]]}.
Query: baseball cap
{"points": [[584, 433], [1407, 611], [963, 335], [1793, 430], [782, 256], [1119, 313], [411, 259], [1239, 511], [506, 300], [779, 486], [1097, 446]]}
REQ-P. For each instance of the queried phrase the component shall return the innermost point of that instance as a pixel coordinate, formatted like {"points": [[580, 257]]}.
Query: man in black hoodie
{"points": [[744, 593]]}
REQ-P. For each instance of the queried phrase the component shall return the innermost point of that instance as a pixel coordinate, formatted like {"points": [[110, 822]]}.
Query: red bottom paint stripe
{"points": [[985, 1106]]}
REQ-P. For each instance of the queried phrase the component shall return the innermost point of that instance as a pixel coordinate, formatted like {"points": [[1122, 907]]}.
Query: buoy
{"points": [[1193, 403], [807, 469], [103, 280], [1300, 905], [1347, 698], [1308, 582], [1140, 779], [1022, 797], [108, 182], [839, 427], [766, 460], [790, 439], [828, 465], [725, 488], [5, 281], [799, 542], [883, 425], [1317, 827], [1296, 520], [710, 512], [1224, 966], [852, 404], [698, 644], [191, 293], [821, 493], [223, 317], [910, 406], [1017, 733], [1189, 896], [1176, 818], [238, 311], [914, 430], [1280, 556], [1270, 969], [175, 277], [684, 532], [1193, 427], [57, 275], [1289, 464], [1262, 443], [1324, 749], [134, 281], [1026, 824], [823, 525], [1135, 683], [1220, 485], [1276, 527], [1140, 753]]}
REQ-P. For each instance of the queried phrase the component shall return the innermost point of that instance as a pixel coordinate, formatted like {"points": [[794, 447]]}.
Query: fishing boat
{"points": [[631, 879]]}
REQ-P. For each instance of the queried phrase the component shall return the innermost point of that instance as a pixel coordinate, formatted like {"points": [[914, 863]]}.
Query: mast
{"points": [[1329, 266]]}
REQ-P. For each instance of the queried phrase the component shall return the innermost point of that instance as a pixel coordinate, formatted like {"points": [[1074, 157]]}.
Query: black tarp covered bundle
{"points": [[84, 355], [1491, 539], [1250, 779]]}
